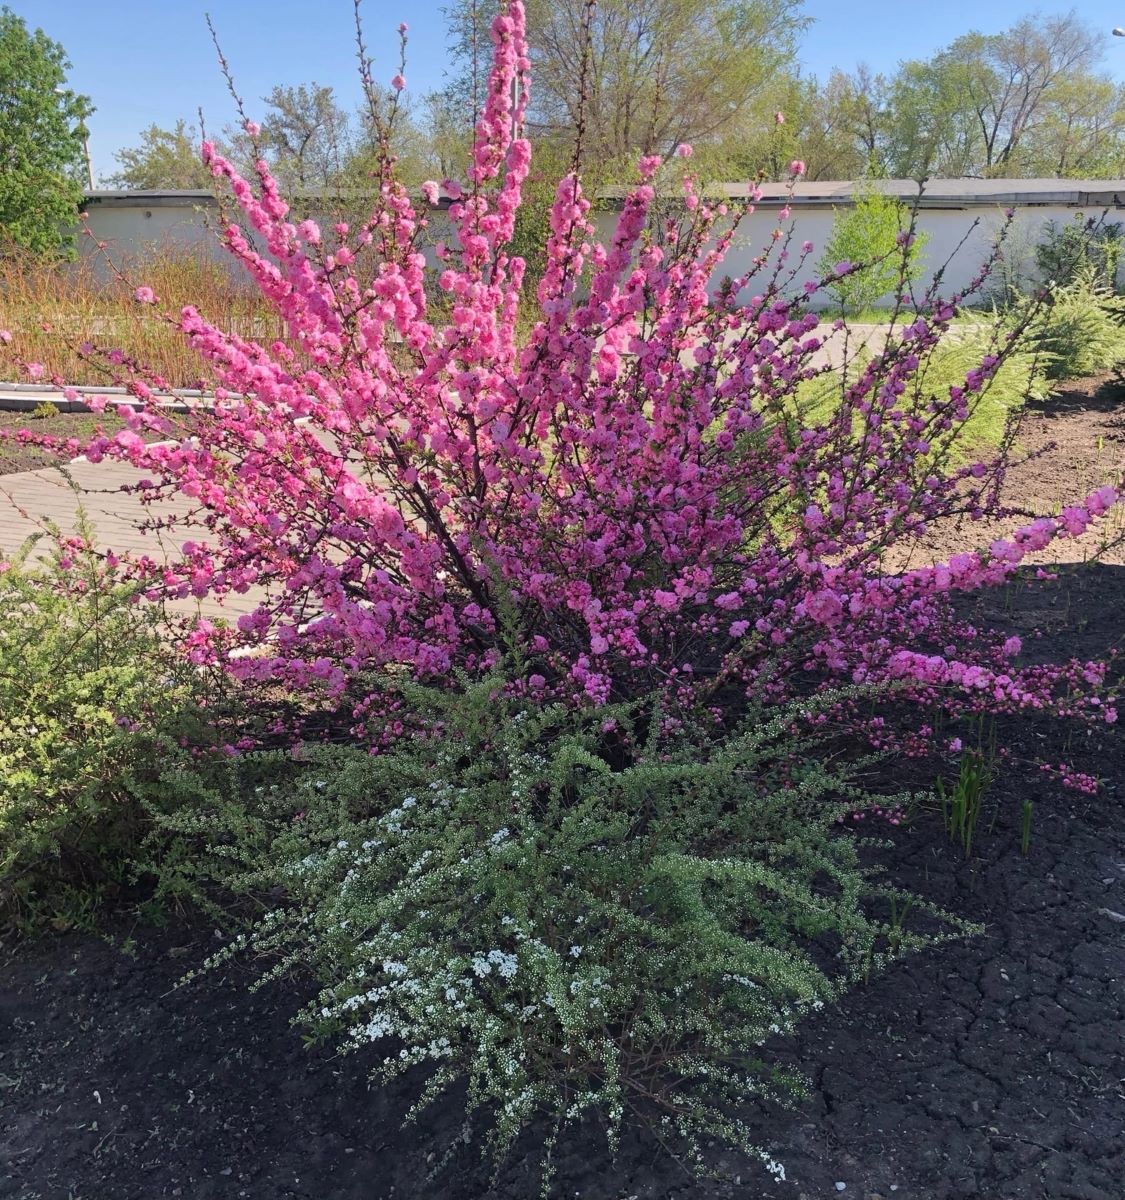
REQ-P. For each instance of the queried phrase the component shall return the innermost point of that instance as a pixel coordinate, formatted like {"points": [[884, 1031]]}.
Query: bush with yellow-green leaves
{"points": [[87, 691]]}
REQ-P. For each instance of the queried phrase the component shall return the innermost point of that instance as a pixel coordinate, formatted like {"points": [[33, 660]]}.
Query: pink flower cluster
{"points": [[630, 492]]}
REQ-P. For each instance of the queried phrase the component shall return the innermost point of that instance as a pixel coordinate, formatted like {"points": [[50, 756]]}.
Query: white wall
{"points": [[132, 229], [958, 241]]}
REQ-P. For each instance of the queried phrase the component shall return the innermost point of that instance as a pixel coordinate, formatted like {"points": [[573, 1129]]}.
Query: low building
{"points": [[960, 217]]}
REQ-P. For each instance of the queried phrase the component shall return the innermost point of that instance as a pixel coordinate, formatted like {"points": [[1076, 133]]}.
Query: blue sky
{"points": [[145, 61]]}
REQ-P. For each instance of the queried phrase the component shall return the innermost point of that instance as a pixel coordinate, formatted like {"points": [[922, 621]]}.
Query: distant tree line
{"points": [[1030, 101], [642, 76]]}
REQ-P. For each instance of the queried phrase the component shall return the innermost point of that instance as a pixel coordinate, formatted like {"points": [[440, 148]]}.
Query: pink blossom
{"points": [[144, 295], [616, 453], [797, 167], [398, 82], [825, 607]]}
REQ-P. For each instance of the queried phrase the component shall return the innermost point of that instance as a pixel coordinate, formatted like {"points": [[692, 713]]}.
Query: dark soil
{"points": [[989, 1068], [19, 456], [992, 1068]]}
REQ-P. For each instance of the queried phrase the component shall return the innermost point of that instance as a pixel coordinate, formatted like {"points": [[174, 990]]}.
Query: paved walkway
{"points": [[28, 498]]}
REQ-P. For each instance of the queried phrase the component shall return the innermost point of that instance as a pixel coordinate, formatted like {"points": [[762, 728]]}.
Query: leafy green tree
{"points": [[1012, 77], [165, 158], [1022, 102], [1081, 135], [867, 235], [933, 128], [659, 72], [42, 134]]}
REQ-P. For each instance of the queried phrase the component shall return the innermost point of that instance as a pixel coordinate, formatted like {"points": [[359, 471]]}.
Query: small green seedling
{"points": [[962, 802]]}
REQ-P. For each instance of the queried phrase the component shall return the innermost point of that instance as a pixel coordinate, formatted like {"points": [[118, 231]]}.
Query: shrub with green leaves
{"points": [[571, 910], [1068, 251], [868, 234], [1080, 327], [1023, 374], [85, 684]]}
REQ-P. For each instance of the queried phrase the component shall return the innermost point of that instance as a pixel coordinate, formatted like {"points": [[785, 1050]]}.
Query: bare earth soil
{"points": [[16, 456], [992, 1068]]}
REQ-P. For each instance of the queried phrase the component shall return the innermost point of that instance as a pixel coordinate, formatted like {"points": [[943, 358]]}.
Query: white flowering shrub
{"points": [[572, 911]]}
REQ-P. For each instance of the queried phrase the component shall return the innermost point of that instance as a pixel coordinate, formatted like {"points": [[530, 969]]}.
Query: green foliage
{"points": [[1080, 249], [84, 684], [1025, 825], [658, 73], [1080, 327], [867, 234], [1022, 376], [571, 911], [165, 158], [961, 804], [41, 140]]}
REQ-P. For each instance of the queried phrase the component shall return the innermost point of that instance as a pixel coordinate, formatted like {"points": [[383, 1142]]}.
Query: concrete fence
{"points": [[960, 217]]}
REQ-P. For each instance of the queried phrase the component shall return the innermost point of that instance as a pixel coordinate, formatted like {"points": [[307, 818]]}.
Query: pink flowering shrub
{"points": [[632, 483], [570, 559]]}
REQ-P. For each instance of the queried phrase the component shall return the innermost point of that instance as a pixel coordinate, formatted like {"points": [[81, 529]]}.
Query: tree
{"points": [[1022, 101], [305, 136], [165, 158], [42, 134], [659, 72], [836, 128], [867, 235], [932, 128], [1082, 133], [1011, 76]]}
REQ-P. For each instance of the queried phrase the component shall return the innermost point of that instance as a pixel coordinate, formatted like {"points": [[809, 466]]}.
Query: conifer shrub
{"points": [[1023, 373], [1080, 326]]}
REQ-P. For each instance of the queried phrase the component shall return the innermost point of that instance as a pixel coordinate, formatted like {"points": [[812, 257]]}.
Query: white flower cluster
{"points": [[505, 964]]}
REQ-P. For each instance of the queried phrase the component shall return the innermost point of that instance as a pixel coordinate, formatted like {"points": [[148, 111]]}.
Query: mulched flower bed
{"points": [[991, 1068], [16, 456]]}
